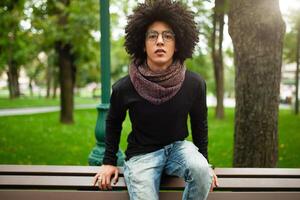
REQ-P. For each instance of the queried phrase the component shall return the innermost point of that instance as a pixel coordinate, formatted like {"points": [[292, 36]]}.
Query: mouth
{"points": [[160, 51]]}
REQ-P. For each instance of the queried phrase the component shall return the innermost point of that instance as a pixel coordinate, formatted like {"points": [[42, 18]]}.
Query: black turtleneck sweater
{"points": [[154, 126]]}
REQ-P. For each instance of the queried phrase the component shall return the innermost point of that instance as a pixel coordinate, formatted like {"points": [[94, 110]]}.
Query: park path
{"points": [[36, 110]]}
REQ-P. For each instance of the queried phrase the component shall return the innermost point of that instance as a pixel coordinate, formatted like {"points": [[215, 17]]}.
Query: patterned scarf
{"points": [[157, 87]]}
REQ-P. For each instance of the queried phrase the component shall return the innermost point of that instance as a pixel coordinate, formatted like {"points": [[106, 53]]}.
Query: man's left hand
{"points": [[215, 182]]}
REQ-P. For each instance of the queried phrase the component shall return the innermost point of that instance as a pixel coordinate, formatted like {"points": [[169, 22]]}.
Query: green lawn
{"points": [[41, 139], [40, 101]]}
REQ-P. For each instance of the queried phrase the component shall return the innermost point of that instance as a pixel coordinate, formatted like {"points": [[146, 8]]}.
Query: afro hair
{"points": [[175, 14]]}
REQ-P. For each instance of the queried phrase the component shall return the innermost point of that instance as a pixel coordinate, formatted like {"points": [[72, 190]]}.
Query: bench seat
{"points": [[76, 182]]}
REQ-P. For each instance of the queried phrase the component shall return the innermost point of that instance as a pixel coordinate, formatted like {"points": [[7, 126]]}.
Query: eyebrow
{"points": [[168, 30]]}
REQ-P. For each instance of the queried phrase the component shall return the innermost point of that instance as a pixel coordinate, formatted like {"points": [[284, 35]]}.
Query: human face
{"points": [[159, 51]]}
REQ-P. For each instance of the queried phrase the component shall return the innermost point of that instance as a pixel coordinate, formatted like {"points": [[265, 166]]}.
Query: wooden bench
{"points": [[75, 182]]}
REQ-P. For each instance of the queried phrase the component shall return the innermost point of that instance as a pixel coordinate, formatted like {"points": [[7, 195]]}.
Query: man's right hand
{"points": [[103, 177]]}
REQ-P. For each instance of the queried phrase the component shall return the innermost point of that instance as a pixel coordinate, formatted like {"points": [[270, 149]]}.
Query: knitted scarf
{"points": [[157, 87]]}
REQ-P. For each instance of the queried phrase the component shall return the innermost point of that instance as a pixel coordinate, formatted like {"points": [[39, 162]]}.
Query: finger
{"points": [[108, 185], [103, 184], [100, 182], [216, 181], [115, 179], [95, 179], [211, 187]]}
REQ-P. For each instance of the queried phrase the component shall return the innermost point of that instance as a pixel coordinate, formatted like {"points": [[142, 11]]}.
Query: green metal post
{"points": [[96, 156]]}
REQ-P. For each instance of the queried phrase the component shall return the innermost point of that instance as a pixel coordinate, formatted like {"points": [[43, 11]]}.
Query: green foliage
{"points": [[82, 20], [290, 47], [229, 75], [80, 31], [290, 42], [15, 42], [119, 59], [202, 65]]}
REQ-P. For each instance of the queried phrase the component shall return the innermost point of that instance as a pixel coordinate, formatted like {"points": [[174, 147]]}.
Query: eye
{"points": [[168, 35], [152, 35]]}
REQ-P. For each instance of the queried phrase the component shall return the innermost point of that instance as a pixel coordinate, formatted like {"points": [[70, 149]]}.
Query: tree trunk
{"points": [[13, 70], [55, 77], [55, 86], [13, 83], [217, 55], [257, 30], [49, 75], [12, 73], [30, 87], [66, 82], [66, 76]]}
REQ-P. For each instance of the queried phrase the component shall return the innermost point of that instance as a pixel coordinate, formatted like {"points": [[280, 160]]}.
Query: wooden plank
{"points": [[67, 182], [72, 182], [89, 195], [258, 172], [259, 184], [49, 169], [254, 195], [170, 183], [91, 170]]}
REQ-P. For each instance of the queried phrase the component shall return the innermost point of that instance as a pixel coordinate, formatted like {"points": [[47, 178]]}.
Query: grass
{"points": [[5, 102], [289, 139], [41, 139], [220, 146]]}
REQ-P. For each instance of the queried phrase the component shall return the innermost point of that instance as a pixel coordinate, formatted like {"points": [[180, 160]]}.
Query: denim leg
{"points": [[185, 161], [142, 175]]}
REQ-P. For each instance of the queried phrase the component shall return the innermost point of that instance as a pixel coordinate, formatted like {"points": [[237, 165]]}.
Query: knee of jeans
{"points": [[198, 170]]}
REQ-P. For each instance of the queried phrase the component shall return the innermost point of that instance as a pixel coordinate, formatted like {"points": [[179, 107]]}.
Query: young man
{"points": [[159, 94]]}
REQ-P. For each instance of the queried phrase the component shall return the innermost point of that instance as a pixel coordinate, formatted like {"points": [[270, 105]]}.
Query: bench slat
{"points": [[88, 195], [170, 183], [91, 170], [260, 183], [49, 169], [72, 182], [258, 172]]}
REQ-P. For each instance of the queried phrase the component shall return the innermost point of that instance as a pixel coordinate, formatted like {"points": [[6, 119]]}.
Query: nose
{"points": [[160, 40]]}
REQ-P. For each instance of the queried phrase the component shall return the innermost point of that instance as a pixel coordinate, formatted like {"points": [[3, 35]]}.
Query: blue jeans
{"points": [[143, 172]]}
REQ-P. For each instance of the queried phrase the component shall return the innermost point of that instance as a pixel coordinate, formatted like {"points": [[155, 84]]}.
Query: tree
{"points": [[35, 68], [258, 42], [66, 36], [67, 68], [297, 68], [13, 46], [217, 54], [291, 50], [201, 61]]}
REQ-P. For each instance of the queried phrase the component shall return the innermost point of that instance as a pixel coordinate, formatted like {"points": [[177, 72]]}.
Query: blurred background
{"points": [[38, 37]]}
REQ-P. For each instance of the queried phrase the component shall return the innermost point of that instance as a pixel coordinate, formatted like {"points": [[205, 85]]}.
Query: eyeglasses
{"points": [[167, 36]]}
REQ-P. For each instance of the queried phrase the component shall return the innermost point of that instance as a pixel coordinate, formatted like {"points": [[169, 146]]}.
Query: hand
{"points": [[103, 177], [215, 182]]}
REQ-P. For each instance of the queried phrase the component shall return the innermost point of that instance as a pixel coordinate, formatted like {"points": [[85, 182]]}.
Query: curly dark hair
{"points": [[173, 13]]}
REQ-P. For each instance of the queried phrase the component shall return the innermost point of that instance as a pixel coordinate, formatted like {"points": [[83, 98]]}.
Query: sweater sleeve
{"points": [[115, 117], [198, 117]]}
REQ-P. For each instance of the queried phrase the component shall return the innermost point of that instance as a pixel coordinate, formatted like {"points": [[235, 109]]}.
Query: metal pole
{"points": [[97, 154]]}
